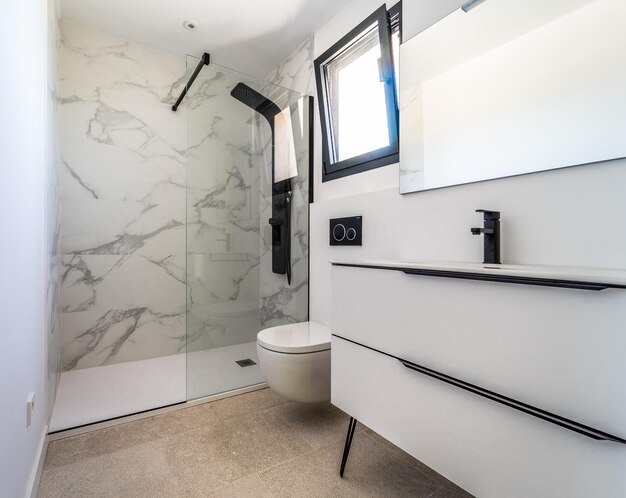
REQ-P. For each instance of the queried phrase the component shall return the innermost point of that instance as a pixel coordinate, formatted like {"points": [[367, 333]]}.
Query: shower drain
{"points": [[245, 363]]}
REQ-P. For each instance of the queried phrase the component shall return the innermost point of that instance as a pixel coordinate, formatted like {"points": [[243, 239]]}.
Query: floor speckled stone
{"points": [[253, 445]]}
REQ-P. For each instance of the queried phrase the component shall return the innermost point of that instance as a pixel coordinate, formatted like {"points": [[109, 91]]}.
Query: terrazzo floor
{"points": [[252, 445]]}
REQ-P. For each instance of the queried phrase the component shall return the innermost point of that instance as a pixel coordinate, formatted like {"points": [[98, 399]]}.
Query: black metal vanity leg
{"points": [[346, 449]]}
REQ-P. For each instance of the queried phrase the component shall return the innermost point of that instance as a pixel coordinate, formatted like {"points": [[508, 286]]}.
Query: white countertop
{"points": [[615, 277]]}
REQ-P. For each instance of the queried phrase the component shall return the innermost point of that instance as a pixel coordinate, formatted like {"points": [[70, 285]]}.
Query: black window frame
{"points": [[383, 156]]}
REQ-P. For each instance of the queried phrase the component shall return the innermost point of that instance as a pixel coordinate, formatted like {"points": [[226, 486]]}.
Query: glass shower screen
{"points": [[241, 133]]}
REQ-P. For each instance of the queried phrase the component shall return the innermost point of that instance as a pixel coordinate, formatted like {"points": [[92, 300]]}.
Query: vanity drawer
{"points": [[557, 349], [468, 438]]}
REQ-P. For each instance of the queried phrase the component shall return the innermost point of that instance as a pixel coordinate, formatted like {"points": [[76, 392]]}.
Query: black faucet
{"points": [[491, 233]]}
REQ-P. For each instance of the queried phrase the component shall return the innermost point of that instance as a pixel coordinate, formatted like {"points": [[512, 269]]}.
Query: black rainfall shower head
{"points": [[247, 95], [255, 101]]}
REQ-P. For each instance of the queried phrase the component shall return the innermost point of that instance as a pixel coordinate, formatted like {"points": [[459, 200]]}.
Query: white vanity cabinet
{"points": [[558, 350]]}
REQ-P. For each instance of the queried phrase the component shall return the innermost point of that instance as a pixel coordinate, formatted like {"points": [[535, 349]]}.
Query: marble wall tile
{"points": [[281, 303], [222, 215], [93, 338], [296, 71], [96, 281], [165, 209], [122, 181]]}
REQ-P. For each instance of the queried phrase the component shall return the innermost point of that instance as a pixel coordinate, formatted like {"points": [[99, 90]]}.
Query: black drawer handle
{"points": [[499, 398], [517, 405], [491, 277], [511, 279]]}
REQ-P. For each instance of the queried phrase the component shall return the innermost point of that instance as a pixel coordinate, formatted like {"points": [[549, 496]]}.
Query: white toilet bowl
{"points": [[295, 360]]}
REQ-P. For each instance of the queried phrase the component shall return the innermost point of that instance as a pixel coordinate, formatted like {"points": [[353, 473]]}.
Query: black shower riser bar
{"points": [[281, 191], [204, 61]]}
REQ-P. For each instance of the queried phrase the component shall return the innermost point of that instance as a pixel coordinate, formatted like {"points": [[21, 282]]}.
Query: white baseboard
{"points": [[35, 473]]}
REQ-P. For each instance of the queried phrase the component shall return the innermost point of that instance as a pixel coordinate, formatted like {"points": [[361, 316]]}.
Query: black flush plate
{"points": [[346, 231]]}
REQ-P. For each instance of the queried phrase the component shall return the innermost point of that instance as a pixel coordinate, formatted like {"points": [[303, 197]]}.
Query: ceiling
{"points": [[251, 36]]}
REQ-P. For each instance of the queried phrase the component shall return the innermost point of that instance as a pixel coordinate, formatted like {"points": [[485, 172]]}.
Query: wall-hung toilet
{"points": [[295, 360]]}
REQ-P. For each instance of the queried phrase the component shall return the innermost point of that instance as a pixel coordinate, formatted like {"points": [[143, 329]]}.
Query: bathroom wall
{"points": [[571, 217], [232, 289], [223, 206], [282, 303], [417, 16], [421, 14], [435, 224], [122, 179], [296, 71], [123, 183], [53, 208], [377, 179], [28, 256]]}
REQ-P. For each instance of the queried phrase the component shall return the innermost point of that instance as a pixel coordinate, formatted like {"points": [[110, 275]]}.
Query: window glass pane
{"points": [[356, 96], [395, 53]]}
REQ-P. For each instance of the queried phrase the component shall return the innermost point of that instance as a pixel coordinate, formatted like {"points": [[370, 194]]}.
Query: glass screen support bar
{"points": [[204, 61]]}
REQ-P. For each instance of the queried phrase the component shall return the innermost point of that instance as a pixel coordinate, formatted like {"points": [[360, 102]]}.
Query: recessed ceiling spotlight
{"points": [[190, 25]]}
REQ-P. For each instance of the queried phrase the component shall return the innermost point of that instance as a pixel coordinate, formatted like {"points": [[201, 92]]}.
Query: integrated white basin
{"points": [[605, 277]]}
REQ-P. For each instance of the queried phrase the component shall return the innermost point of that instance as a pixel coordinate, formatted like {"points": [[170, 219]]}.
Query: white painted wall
{"points": [[381, 178], [26, 167], [571, 217], [418, 15], [564, 217], [53, 208]]}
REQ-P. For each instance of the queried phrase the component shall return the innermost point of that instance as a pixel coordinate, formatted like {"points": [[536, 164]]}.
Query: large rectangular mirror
{"points": [[506, 87]]}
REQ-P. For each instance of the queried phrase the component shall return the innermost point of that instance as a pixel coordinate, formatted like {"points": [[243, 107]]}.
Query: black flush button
{"points": [[346, 231]]}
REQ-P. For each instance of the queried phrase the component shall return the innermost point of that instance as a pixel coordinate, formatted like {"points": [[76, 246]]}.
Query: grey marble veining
{"points": [[112, 332], [81, 275], [165, 243], [222, 216], [79, 180], [281, 303], [100, 328], [296, 71], [128, 243], [171, 265], [122, 181]]}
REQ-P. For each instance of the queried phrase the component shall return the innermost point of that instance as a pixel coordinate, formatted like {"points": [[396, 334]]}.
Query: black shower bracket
{"points": [[204, 61]]}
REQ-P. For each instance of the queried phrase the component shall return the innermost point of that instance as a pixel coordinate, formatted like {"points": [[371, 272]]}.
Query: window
{"points": [[357, 93]]}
